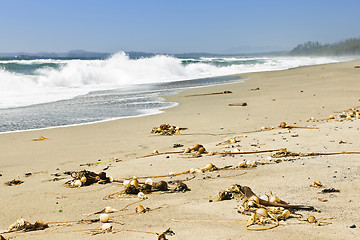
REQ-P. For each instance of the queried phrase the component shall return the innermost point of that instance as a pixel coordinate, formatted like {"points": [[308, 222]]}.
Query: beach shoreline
{"points": [[292, 96]]}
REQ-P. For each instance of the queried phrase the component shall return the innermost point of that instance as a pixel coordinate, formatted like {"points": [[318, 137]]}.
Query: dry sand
{"points": [[292, 96]]}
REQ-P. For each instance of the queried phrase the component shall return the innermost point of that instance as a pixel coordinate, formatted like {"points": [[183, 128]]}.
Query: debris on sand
{"points": [[161, 236], [317, 184], [14, 182], [208, 94], [255, 89], [42, 138], [86, 178], [167, 129], [133, 187], [330, 190], [23, 225], [244, 104], [264, 210]]}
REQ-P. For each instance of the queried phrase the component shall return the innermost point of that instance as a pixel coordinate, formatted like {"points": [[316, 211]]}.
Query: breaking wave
{"points": [[28, 82]]}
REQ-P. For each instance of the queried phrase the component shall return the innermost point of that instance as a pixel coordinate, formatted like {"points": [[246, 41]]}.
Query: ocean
{"points": [[44, 93]]}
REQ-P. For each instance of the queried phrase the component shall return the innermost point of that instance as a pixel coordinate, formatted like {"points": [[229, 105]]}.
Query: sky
{"points": [[169, 26]]}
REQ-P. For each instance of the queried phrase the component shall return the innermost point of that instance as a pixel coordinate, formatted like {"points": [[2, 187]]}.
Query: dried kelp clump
{"points": [[350, 114], [284, 153], [266, 210], [23, 225], [86, 178], [134, 187], [197, 149], [167, 129], [233, 192], [14, 182]]}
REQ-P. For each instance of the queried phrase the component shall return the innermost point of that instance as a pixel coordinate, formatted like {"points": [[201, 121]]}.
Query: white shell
{"points": [[83, 179], [192, 170], [126, 183], [198, 170], [251, 203], [262, 212], [141, 195], [108, 209], [241, 209], [134, 182], [111, 178], [149, 181], [251, 163], [242, 164], [274, 199], [106, 226], [264, 197], [104, 217], [286, 213], [171, 173], [77, 183], [208, 166]]}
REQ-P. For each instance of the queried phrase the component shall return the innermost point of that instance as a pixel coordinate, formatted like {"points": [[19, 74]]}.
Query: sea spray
{"points": [[48, 80]]}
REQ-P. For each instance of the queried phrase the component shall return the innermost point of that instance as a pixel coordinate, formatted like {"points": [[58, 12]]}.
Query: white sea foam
{"points": [[78, 77]]}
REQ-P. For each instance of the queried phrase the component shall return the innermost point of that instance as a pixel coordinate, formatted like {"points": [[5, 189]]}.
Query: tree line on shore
{"points": [[347, 47]]}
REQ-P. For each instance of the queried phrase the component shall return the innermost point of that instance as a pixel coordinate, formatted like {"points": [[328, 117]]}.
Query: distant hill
{"points": [[347, 47]]}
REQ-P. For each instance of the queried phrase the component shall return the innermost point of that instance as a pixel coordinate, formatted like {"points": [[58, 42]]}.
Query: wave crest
{"points": [[64, 79]]}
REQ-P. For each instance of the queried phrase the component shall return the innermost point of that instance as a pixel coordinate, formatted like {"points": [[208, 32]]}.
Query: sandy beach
{"points": [[293, 96]]}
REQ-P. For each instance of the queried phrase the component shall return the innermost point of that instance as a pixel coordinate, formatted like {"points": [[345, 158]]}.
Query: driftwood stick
{"points": [[251, 152], [208, 94], [167, 175]]}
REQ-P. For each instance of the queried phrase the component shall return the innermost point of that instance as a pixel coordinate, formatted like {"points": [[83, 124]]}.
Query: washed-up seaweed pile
{"points": [[86, 178], [349, 114], [134, 187], [267, 210], [167, 129]]}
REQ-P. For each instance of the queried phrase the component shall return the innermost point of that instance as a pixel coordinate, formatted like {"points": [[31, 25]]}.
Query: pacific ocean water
{"points": [[43, 93]]}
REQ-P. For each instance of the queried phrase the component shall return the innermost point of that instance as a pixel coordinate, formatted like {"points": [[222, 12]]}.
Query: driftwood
{"points": [[41, 139], [244, 104], [161, 236], [208, 94]]}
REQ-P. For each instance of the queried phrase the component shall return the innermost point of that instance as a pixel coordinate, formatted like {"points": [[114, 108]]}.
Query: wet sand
{"points": [[292, 96]]}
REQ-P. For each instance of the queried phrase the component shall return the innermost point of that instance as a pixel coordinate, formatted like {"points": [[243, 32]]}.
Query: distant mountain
{"points": [[347, 47]]}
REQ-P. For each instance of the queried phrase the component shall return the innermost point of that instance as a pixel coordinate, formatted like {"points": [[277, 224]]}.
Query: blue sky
{"points": [[173, 26]]}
